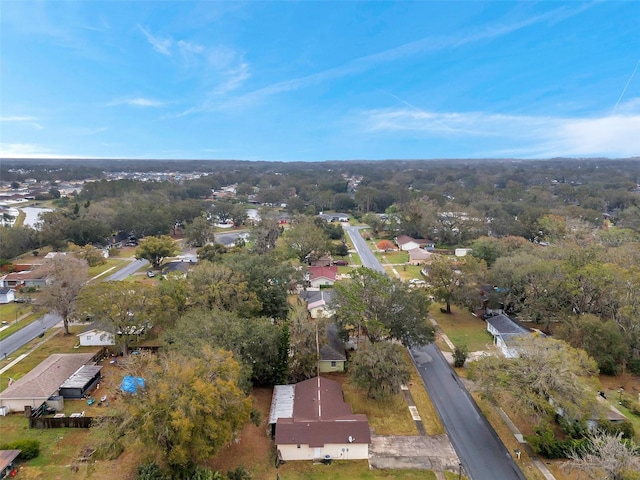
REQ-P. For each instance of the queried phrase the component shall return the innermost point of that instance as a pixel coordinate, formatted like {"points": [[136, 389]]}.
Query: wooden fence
{"points": [[65, 422]]}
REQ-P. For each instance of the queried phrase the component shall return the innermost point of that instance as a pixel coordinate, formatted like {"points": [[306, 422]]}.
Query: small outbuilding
{"points": [[332, 353], [82, 381], [7, 295], [96, 338], [506, 333]]}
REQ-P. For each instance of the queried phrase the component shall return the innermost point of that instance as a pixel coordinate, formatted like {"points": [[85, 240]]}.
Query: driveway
{"points": [[421, 453]]}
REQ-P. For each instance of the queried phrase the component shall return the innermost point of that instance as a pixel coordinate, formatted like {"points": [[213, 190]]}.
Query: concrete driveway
{"points": [[418, 452]]}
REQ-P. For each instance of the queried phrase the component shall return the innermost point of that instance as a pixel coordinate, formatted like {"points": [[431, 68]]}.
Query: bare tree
{"points": [[606, 457], [66, 276]]}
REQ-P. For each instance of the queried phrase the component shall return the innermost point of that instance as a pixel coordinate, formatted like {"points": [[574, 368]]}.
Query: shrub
{"points": [[150, 471], [545, 444], [460, 355], [239, 473], [613, 428], [29, 448]]}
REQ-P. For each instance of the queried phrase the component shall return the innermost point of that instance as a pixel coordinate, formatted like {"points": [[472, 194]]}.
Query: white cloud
{"points": [[17, 118], [138, 102], [160, 45], [519, 135]]}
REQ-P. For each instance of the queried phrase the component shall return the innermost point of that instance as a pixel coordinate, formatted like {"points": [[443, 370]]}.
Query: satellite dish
{"points": [[351, 439]]}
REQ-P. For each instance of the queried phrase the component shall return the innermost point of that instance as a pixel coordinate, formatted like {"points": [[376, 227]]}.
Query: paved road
{"points": [[28, 333], [482, 453], [128, 270], [365, 253], [18, 339]]}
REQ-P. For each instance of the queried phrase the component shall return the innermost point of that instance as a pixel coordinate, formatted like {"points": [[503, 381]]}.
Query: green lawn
{"points": [[347, 470], [463, 328]]}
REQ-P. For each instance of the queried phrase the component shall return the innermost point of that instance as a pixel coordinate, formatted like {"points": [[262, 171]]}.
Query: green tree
{"points": [[156, 249], [304, 359], [268, 278], [264, 235], [307, 240], [66, 276], [124, 308], [255, 341], [212, 252], [456, 280], [190, 407], [199, 232], [603, 341], [218, 286], [380, 369], [382, 308], [375, 222], [544, 369]]}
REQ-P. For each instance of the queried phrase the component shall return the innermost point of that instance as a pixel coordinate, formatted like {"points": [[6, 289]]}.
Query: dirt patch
{"points": [[253, 448]]}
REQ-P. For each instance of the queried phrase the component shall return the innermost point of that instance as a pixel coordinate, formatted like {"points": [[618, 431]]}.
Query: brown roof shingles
{"points": [[45, 379], [321, 416]]}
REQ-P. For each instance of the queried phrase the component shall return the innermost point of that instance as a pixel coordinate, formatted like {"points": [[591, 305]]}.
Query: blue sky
{"points": [[315, 81]]}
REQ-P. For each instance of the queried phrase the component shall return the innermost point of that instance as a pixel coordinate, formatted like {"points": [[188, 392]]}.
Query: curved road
{"points": [[482, 453], [128, 270]]}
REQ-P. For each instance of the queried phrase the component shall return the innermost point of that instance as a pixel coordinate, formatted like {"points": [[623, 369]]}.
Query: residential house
{"points": [[95, 337], [312, 422], [506, 333], [30, 278], [419, 256], [322, 276], [334, 217], [332, 354], [42, 384], [7, 295], [407, 243], [318, 302]]}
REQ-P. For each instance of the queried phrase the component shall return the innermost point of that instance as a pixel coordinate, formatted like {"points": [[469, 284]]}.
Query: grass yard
{"points": [[386, 417], [463, 328], [397, 258], [353, 470], [408, 272], [354, 259], [54, 342]]}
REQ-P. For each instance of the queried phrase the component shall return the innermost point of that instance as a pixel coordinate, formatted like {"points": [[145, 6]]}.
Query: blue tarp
{"points": [[131, 384]]}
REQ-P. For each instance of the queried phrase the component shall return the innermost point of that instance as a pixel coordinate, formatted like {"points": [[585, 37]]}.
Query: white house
{"points": [[7, 295], [96, 338], [313, 422], [505, 334]]}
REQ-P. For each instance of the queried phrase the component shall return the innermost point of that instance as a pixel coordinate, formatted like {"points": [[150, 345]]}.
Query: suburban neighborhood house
{"points": [[407, 243], [96, 338], [332, 354], [318, 302], [61, 375], [313, 422], [28, 278], [420, 256], [505, 333], [319, 276]]}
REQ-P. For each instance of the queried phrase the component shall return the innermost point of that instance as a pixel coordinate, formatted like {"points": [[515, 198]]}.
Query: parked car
{"points": [[341, 263], [19, 300], [151, 274]]}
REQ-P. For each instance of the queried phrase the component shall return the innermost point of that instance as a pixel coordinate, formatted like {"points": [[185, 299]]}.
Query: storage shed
{"points": [[83, 380]]}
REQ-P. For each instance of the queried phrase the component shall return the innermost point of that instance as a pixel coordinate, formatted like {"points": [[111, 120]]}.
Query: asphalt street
{"points": [[365, 253], [28, 333], [481, 452], [128, 270], [16, 340]]}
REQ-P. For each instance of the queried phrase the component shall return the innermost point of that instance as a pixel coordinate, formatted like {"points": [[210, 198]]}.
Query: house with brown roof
{"points": [[419, 256], [29, 278], [313, 422], [43, 383], [407, 243]]}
